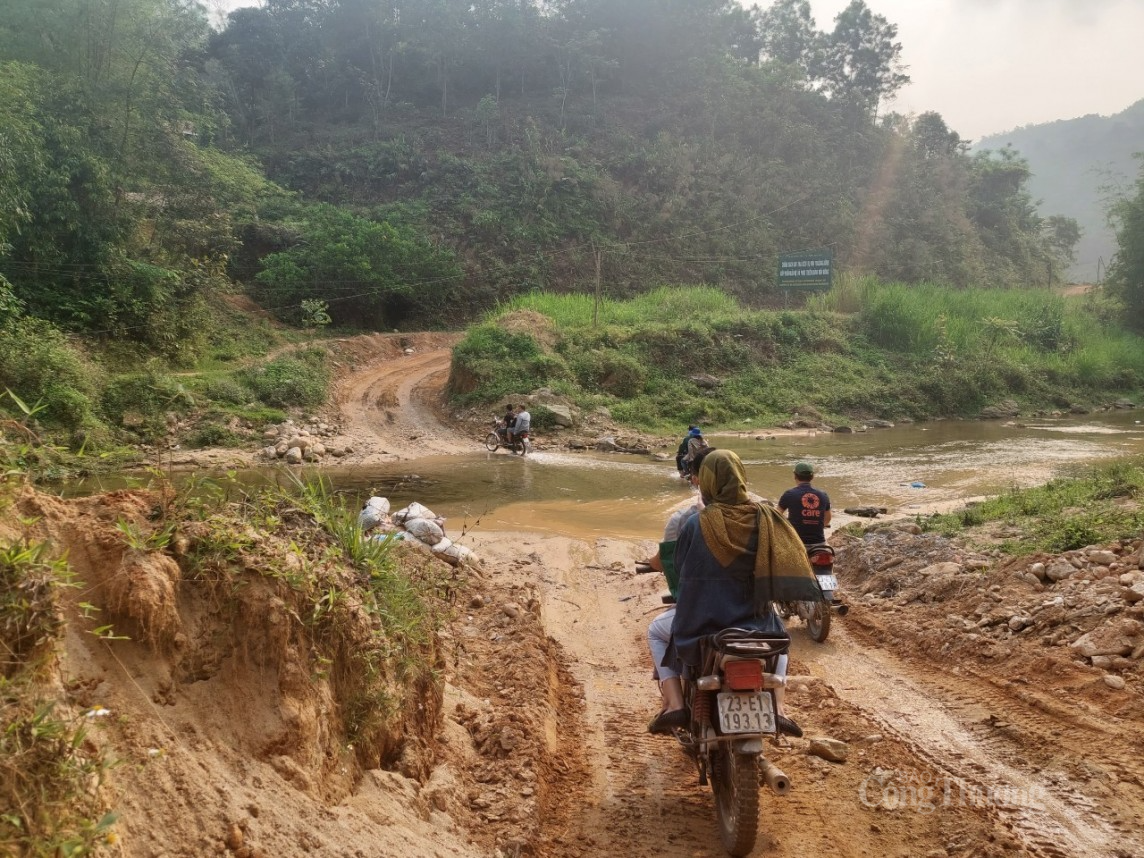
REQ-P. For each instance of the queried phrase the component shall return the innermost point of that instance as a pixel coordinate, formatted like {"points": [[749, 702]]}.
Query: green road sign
{"points": [[808, 270]]}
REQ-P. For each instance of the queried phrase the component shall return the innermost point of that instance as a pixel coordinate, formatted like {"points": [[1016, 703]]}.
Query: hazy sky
{"points": [[992, 65]]}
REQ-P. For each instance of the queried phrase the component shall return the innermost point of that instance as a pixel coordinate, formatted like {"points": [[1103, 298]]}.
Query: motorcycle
{"points": [[732, 706], [817, 615], [498, 438]]}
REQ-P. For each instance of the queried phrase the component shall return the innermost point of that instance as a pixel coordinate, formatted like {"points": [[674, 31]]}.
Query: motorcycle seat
{"points": [[749, 642]]}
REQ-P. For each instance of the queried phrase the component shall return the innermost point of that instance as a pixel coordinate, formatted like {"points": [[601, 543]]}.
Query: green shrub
{"points": [[542, 418], [228, 390], [144, 398], [1075, 533], [39, 365], [610, 372], [495, 363], [214, 435], [300, 380]]}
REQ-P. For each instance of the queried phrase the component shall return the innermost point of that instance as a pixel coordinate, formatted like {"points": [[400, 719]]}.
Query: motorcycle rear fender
{"points": [[770, 680], [747, 746]]}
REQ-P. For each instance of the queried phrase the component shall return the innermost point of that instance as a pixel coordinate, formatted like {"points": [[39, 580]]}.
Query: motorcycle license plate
{"points": [[750, 712], [828, 582]]}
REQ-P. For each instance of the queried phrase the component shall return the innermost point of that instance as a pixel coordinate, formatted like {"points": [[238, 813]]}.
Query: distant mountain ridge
{"points": [[1077, 164]]}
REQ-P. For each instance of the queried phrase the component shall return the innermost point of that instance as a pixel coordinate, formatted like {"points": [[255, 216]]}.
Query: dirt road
{"points": [[930, 773], [945, 759], [384, 397]]}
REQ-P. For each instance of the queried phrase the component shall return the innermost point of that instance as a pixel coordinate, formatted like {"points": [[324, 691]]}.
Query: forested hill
{"points": [[1077, 165], [427, 158]]}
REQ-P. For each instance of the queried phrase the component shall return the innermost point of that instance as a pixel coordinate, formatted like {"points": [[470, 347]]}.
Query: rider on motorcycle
{"points": [[733, 558], [807, 508], [509, 421], [521, 425]]}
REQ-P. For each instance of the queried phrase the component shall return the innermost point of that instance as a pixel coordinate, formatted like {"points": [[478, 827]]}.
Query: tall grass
{"points": [[50, 773], [665, 304], [865, 349]]}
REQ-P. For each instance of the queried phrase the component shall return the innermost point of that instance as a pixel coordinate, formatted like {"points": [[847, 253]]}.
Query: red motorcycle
{"points": [[817, 615], [732, 705]]}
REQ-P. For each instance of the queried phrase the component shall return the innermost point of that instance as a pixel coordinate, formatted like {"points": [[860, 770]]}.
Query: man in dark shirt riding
{"points": [[807, 508]]}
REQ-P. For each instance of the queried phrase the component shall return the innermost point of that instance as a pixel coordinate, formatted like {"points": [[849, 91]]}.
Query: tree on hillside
{"points": [[1126, 274], [1021, 246], [113, 228], [916, 228], [371, 274], [21, 147], [860, 62], [1062, 234], [933, 138], [787, 35], [654, 38], [127, 58]]}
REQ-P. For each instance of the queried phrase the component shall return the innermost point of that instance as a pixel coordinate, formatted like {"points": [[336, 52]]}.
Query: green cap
{"points": [[803, 469]]}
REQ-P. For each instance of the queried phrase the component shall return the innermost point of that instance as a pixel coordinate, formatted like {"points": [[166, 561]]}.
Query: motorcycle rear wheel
{"points": [[735, 782], [492, 441], [818, 621]]}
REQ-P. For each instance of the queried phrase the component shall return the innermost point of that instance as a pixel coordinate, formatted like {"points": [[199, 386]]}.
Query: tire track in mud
{"points": [[642, 798], [950, 722], [630, 766], [382, 407]]}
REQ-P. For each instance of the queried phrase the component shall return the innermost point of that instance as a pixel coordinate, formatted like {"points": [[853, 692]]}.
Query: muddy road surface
{"points": [[965, 755], [386, 397], [940, 763]]}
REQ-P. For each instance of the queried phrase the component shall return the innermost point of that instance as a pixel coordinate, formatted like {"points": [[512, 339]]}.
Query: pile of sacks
{"points": [[416, 523]]}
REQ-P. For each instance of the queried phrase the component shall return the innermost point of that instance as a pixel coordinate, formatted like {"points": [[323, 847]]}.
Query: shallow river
{"points": [[916, 468], [913, 469]]}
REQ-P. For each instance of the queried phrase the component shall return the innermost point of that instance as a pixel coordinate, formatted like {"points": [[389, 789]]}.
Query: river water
{"points": [[912, 469]]}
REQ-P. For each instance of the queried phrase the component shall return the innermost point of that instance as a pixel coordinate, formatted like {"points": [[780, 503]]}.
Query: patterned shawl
{"points": [[729, 522]]}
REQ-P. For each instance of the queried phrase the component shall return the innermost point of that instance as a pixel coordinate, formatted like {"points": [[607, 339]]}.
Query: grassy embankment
{"points": [[1091, 508], [353, 616], [864, 350], [103, 399]]}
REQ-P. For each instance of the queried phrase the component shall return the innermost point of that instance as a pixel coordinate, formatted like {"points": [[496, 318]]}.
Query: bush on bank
{"points": [[1097, 506], [867, 349]]}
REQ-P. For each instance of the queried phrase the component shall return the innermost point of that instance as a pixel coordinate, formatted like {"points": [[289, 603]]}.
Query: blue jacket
{"points": [[711, 597]]}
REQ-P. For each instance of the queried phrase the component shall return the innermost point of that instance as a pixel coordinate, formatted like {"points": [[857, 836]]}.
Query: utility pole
{"points": [[596, 306]]}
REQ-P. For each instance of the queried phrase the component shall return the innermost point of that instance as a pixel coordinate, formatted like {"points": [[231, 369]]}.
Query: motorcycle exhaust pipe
{"points": [[775, 777], [841, 609]]}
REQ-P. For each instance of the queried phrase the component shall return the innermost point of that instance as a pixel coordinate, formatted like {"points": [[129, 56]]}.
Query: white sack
{"points": [[425, 529], [414, 510]]}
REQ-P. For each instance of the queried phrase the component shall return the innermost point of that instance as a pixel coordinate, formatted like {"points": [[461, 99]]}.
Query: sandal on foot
{"points": [[665, 722], [785, 725]]}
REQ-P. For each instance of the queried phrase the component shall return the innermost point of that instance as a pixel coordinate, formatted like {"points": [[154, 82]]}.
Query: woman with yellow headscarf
{"points": [[734, 559]]}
